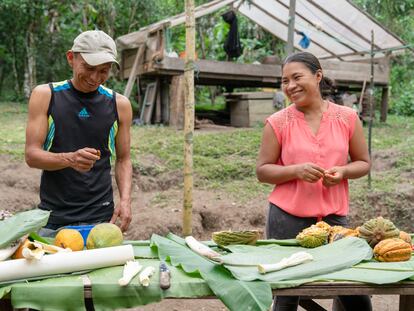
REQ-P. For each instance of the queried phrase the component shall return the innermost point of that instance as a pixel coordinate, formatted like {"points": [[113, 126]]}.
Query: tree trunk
{"points": [[15, 72], [1, 76], [30, 71], [188, 116]]}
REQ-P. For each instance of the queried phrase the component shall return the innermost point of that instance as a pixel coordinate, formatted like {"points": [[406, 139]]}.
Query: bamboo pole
{"points": [[371, 105], [188, 116]]}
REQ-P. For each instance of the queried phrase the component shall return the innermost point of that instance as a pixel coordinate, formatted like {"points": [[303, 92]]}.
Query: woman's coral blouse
{"points": [[328, 148]]}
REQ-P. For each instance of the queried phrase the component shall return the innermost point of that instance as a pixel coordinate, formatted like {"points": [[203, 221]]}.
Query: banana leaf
{"points": [[15, 227], [372, 272], [108, 295], [235, 294], [142, 249], [4, 290], [342, 254], [65, 294]]}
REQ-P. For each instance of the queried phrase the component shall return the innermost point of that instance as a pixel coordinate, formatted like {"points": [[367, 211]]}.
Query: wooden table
{"points": [[312, 290], [328, 289]]}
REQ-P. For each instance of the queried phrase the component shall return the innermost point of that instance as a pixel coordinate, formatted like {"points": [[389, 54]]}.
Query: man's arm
{"points": [[36, 131], [123, 166]]}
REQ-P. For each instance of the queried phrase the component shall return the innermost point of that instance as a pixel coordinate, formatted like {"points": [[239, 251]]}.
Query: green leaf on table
{"points": [[33, 236], [13, 228], [327, 258], [235, 294]]}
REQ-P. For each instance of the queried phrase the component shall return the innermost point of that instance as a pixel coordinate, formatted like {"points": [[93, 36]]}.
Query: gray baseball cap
{"points": [[96, 47]]}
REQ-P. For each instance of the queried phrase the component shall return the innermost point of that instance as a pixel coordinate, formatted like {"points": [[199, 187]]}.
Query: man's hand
{"points": [[123, 212], [84, 159], [333, 176], [309, 172]]}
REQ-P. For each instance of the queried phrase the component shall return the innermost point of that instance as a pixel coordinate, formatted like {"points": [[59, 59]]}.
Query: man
{"points": [[74, 128]]}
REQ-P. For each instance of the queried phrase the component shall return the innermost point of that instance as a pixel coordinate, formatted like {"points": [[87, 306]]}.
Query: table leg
{"points": [[5, 305], [406, 302]]}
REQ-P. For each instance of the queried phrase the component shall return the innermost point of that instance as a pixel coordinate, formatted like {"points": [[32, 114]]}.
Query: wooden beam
{"points": [[138, 59]]}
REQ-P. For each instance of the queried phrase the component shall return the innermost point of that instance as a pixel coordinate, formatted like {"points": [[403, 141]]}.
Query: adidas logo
{"points": [[84, 113]]}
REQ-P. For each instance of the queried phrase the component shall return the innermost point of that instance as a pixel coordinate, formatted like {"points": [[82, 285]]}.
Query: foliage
{"points": [[398, 16], [54, 24]]}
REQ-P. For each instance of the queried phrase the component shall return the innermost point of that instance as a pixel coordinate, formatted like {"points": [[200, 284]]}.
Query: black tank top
{"points": [[77, 120]]}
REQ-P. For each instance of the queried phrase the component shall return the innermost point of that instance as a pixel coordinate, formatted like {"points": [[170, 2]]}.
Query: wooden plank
{"points": [[384, 104], [347, 288], [249, 95], [149, 102], [310, 305], [345, 72], [406, 303], [165, 101], [157, 118]]}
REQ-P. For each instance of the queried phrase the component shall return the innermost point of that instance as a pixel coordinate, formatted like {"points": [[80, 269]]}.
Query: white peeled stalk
{"points": [[50, 249], [35, 253], [144, 276], [65, 262], [131, 269], [200, 248], [7, 252], [293, 260]]}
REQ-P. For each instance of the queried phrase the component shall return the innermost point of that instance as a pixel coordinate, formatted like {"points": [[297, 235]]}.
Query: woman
{"points": [[309, 150]]}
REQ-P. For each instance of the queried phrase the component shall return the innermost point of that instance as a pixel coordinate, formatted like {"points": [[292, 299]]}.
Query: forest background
{"points": [[35, 34]]}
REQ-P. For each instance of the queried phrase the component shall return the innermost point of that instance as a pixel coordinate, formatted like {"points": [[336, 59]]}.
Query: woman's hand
{"points": [[309, 172], [333, 176]]}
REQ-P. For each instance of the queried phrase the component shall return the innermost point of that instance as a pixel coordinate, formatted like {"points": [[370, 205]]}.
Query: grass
{"points": [[226, 160]]}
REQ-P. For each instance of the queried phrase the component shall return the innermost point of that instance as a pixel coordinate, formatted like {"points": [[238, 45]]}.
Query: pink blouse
{"points": [[328, 148]]}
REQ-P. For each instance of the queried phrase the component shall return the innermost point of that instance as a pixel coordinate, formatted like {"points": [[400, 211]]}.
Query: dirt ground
{"points": [[157, 205]]}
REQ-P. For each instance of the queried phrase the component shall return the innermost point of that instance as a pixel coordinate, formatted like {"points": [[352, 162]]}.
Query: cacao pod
{"points": [[390, 250], [224, 238], [312, 237], [406, 237]]}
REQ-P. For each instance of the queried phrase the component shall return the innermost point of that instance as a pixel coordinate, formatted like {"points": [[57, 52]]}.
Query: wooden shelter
{"points": [[340, 38]]}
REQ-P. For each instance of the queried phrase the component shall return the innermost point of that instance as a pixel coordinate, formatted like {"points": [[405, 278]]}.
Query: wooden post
{"points": [[384, 104], [291, 27], [176, 107], [188, 116]]}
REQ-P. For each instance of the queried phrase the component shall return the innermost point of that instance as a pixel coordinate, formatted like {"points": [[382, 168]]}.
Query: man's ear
{"points": [[70, 55]]}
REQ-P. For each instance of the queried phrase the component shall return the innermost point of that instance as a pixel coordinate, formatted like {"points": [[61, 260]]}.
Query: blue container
{"points": [[83, 230]]}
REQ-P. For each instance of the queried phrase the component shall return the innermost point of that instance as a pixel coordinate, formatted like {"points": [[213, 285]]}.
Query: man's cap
{"points": [[96, 47]]}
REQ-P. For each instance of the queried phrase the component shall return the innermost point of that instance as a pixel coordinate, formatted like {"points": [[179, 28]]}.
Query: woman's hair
{"points": [[326, 86]]}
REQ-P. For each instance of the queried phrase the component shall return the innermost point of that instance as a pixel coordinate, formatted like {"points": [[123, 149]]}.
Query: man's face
{"points": [[87, 78]]}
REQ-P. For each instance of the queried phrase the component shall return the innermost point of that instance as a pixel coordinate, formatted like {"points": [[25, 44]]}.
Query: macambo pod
{"points": [[378, 229]]}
